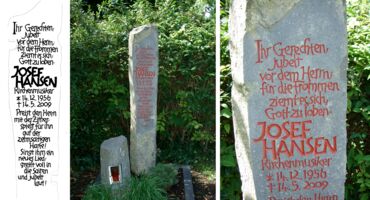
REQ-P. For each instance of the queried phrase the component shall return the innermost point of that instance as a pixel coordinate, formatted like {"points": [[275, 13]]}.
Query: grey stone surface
{"points": [[188, 183], [143, 75], [114, 152], [305, 142]]}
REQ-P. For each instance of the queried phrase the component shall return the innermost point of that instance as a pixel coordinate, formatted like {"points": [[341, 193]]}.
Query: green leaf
{"points": [[226, 112], [364, 196], [227, 128], [228, 160]]}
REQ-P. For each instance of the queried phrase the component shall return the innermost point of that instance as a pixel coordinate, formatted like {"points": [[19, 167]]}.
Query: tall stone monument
{"points": [[143, 75], [289, 61]]}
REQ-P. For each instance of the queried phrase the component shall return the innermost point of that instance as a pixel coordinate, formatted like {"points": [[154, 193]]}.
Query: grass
{"points": [[150, 186], [166, 174], [100, 192], [145, 187]]}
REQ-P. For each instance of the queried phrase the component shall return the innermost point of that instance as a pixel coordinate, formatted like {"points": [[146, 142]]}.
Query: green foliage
{"points": [[144, 187], [101, 192], [359, 61], [358, 111], [151, 186], [190, 154], [100, 105], [358, 166], [138, 188], [230, 179], [166, 173]]}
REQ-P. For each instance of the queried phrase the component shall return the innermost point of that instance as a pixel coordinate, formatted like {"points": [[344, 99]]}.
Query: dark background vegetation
{"points": [[186, 85], [358, 111]]}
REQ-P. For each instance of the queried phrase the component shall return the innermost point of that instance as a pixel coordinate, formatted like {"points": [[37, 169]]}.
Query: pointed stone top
{"points": [[143, 28], [142, 32]]}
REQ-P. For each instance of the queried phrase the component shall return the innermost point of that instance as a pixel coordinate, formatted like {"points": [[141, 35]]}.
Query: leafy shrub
{"points": [[358, 111], [166, 174], [230, 178]]}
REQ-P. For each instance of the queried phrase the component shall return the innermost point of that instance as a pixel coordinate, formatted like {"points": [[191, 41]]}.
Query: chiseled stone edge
{"points": [[239, 94]]}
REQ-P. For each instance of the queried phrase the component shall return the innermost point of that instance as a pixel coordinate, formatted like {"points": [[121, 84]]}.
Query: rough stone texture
{"points": [[188, 183], [267, 12], [143, 74], [288, 22], [114, 152]]}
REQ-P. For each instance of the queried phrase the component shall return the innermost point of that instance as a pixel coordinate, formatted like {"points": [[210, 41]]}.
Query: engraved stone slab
{"points": [[289, 61], [115, 162], [143, 75]]}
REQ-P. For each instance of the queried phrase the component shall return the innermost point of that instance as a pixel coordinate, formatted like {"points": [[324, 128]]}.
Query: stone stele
{"points": [[115, 162], [289, 61], [143, 75]]}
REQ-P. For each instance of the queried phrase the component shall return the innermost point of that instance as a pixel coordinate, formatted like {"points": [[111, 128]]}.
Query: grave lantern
{"points": [[114, 174], [114, 161]]}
